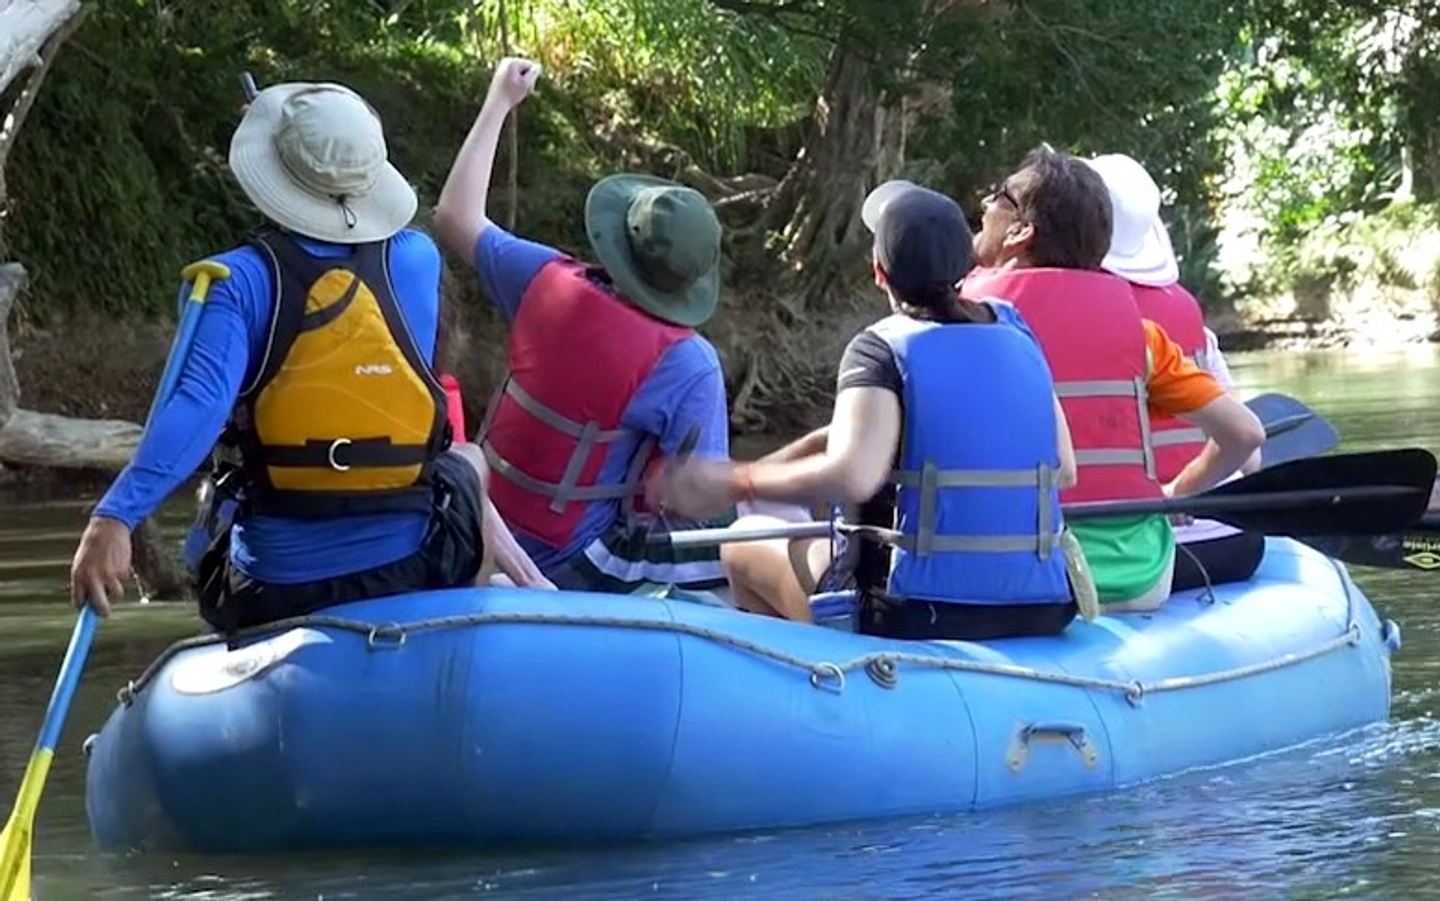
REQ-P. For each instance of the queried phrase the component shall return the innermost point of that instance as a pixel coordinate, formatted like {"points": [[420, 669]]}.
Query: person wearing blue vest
{"points": [[314, 358], [946, 429]]}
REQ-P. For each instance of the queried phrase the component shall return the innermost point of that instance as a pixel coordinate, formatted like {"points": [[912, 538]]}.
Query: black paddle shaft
{"points": [[1350, 494], [1248, 509]]}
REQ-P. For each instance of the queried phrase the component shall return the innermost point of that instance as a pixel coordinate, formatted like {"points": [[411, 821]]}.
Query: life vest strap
{"points": [[1109, 456], [341, 454], [971, 478], [930, 479], [1144, 455], [1147, 442], [1045, 526], [980, 544], [1100, 388], [556, 491], [1171, 437], [587, 436], [559, 421]]}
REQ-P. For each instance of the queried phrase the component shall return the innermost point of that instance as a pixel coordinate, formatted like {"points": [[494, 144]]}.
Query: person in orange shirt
{"points": [[1208, 552]]}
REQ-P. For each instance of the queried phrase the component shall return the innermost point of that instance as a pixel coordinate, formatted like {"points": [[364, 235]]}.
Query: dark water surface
{"points": [[1356, 816]]}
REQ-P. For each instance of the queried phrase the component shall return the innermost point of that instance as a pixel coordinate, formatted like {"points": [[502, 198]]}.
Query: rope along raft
{"points": [[881, 666]]}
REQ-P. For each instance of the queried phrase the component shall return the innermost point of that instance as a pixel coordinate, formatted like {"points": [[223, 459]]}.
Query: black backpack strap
{"points": [[292, 271]]}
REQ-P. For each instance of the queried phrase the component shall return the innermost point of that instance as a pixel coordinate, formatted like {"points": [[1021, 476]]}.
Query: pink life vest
{"points": [[577, 355], [1177, 312], [1093, 338], [454, 406]]}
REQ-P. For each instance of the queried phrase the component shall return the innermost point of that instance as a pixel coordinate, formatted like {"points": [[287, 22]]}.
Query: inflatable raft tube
{"points": [[487, 717]]}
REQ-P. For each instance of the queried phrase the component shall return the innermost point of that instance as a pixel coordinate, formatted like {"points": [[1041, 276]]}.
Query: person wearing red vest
{"points": [[1045, 231], [1141, 253], [606, 373]]}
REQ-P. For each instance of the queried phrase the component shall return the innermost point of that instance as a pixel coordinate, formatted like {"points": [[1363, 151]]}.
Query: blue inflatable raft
{"points": [[497, 716]]}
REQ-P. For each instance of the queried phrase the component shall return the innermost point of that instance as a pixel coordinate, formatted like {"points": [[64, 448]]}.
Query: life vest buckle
{"points": [[330, 455]]}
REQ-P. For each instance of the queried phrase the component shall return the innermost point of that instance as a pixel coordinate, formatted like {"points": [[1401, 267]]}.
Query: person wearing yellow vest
{"points": [[314, 358], [1140, 252], [1045, 231]]}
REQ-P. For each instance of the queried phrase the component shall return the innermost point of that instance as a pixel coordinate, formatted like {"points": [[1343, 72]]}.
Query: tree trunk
{"points": [[157, 567], [25, 26], [12, 279], [817, 206], [42, 439]]}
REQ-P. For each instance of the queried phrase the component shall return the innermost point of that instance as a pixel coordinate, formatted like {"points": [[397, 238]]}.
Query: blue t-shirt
{"points": [[227, 349], [685, 389]]}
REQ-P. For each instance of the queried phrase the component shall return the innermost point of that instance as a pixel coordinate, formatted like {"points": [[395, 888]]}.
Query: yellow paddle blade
{"points": [[15, 841]]}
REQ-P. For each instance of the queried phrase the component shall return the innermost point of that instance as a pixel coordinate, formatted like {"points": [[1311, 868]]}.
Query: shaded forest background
{"points": [[1298, 143]]}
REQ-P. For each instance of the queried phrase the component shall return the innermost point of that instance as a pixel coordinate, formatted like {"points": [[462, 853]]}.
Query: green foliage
{"points": [[696, 74], [1395, 250], [119, 178], [1328, 116], [1093, 77], [1287, 122]]}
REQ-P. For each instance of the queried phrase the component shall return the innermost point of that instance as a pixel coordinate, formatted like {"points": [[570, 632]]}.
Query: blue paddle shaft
{"points": [[179, 348], [70, 670]]}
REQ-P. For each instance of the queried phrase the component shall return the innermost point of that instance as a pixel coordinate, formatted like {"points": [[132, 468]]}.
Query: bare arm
{"points": [[805, 446], [859, 453], [1234, 432], [499, 549], [461, 213], [1217, 367], [1065, 449]]}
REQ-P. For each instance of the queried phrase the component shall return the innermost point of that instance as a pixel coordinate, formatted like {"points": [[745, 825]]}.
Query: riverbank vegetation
{"points": [[1297, 141]]}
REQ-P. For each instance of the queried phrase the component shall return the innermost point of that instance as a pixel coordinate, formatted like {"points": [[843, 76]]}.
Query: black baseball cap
{"points": [[921, 238]]}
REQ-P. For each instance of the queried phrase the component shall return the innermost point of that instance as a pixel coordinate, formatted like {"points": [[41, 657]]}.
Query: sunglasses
{"points": [[1000, 191]]}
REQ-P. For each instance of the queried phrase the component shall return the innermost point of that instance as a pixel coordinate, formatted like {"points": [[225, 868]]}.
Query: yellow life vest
{"points": [[343, 416]]}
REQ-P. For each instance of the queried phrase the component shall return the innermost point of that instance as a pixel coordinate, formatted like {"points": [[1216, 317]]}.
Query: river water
{"points": [[1357, 815]]}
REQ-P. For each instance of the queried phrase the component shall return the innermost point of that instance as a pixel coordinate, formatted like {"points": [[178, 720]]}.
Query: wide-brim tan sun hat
{"points": [[1140, 248], [660, 243], [312, 158]]}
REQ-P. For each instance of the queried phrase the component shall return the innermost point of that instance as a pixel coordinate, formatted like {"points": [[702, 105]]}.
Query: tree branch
{"points": [[11, 122], [12, 279]]}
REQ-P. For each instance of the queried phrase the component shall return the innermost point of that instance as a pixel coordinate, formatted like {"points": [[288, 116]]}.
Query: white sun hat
{"points": [[312, 158], [1140, 248]]}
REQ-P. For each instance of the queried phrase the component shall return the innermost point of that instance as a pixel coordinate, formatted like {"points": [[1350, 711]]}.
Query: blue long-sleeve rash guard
{"points": [[228, 345]]}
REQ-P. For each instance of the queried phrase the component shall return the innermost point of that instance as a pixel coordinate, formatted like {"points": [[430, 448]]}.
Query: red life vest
{"points": [[577, 355], [1177, 312], [1094, 340], [454, 406]]}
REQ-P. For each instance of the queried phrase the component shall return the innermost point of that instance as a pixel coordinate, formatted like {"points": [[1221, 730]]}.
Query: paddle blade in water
{"points": [[1416, 547], [1369, 494], [15, 842]]}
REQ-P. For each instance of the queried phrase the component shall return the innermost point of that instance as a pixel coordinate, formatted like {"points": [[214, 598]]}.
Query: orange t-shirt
{"points": [[1176, 386]]}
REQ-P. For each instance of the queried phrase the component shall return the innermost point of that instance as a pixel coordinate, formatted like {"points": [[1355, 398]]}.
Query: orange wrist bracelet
{"points": [[745, 479]]}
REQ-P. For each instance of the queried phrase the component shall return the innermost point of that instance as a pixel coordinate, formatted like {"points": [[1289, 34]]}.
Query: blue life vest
{"points": [[977, 513]]}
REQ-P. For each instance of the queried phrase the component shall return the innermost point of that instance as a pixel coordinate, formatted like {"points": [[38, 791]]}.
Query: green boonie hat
{"points": [[660, 242]]}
